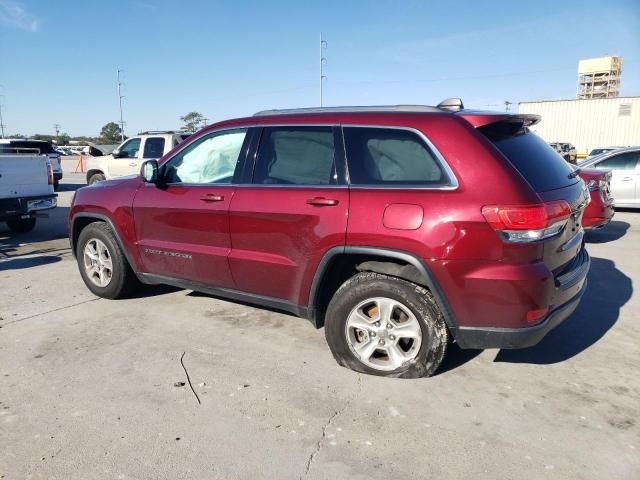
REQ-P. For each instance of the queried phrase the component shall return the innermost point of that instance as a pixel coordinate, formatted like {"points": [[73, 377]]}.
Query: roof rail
{"points": [[151, 132], [379, 108]]}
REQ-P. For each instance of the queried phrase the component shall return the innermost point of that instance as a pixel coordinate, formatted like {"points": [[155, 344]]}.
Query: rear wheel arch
{"points": [[341, 263]]}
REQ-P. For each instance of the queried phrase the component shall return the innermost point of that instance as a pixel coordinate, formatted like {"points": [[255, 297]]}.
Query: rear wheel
{"points": [[102, 264], [386, 326], [96, 177], [22, 225], [56, 183]]}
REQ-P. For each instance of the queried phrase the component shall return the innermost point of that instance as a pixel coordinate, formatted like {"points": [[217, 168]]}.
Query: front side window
{"points": [[296, 156], [153, 147], [130, 149], [210, 160], [385, 156], [623, 161]]}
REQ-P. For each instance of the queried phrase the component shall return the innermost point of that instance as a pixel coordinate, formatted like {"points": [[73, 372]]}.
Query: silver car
{"points": [[624, 164]]}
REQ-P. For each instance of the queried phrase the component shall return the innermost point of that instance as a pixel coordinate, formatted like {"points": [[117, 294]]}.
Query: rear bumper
{"points": [[573, 282], [24, 207], [599, 212]]}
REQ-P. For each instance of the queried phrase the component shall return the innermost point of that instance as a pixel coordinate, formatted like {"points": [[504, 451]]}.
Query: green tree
{"points": [[192, 122], [110, 134]]}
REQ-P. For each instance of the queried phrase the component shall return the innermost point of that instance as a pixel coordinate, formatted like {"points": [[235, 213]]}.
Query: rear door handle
{"points": [[212, 198], [133, 164], [627, 179], [322, 202]]}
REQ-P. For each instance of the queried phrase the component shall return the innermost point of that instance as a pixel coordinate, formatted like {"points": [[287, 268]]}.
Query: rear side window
{"points": [[536, 161], [385, 156], [43, 147], [153, 147], [296, 156], [623, 161]]}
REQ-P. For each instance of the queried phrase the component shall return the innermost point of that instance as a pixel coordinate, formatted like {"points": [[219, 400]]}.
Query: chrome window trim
{"points": [[453, 180]]}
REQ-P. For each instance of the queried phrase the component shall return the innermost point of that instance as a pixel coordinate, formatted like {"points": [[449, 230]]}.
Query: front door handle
{"points": [[212, 198], [322, 202], [627, 179], [133, 164]]}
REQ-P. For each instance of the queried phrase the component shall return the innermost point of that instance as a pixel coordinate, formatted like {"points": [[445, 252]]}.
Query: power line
{"points": [[120, 97]]}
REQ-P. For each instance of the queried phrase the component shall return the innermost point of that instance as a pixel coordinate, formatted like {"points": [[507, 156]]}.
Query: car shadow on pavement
{"points": [[611, 232], [70, 187], [608, 290], [19, 263]]}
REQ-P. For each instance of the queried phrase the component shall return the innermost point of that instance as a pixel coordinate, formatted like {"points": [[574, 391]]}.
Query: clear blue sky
{"points": [[58, 59]]}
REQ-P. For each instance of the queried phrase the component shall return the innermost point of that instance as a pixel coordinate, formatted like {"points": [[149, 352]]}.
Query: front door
{"points": [[127, 161], [182, 224], [294, 210], [625, 177]]}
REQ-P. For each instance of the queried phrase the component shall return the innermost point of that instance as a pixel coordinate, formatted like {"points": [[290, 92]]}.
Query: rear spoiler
{"points": [[481, 119]]}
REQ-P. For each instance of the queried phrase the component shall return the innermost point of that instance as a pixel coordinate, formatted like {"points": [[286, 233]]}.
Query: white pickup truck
{"points": [[128, 157], [26, 187]]}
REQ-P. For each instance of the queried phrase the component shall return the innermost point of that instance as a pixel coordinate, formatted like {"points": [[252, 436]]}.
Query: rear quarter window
{"points": [[386, 156]]}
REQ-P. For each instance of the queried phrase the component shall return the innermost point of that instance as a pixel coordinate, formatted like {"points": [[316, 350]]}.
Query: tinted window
{"points": [[130, 148], [43, 147], [211, 159], [536, 161], [296, 156], [153, 147], [623, 161], [390, 156]]}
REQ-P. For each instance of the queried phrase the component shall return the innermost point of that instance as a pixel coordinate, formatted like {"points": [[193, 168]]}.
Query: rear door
{"points": [[153, 148], [292, 212], [182, 225], [625, 176]]}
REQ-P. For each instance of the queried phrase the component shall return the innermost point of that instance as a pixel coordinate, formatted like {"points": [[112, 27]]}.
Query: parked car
{"points": [[566, 151], [600, 151], [26, 187], [126, 159], [601, 209], [624, 164], [45, 148], [395, 228]]}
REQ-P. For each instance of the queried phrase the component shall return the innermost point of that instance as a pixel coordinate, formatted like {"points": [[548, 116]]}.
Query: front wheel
{"points": [[386, 326], [102, 264], [97, 177], [22, 225]]}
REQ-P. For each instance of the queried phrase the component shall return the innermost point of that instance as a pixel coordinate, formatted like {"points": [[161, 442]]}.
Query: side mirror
{"points": [[116, 153], [149, 171]]}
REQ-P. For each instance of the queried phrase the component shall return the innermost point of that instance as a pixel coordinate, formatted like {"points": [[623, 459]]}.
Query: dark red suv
{"points": [[398, 229]]}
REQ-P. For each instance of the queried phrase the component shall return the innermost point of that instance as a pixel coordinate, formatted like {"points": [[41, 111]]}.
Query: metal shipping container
{"points": [[588, 124]]}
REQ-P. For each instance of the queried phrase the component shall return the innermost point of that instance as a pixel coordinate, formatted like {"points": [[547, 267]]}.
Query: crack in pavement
{"points": [[336, 414], [188, 378], [49, 311]]}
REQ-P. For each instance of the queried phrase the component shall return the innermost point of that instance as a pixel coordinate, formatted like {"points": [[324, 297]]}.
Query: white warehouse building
{"points": [[588, 124]]}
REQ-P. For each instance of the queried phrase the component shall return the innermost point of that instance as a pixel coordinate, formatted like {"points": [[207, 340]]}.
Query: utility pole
{"points": [[1, 122], [507, 105], [205, 122], [323, 62], [2, 125], [56, 127], [120, 97]]}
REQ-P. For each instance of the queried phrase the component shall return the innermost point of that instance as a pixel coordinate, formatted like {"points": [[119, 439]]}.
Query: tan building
{"points": [[588, 124]]}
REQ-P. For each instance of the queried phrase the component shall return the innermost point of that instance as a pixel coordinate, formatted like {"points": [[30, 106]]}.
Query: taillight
{"points": [[521, 224], [49, 174]]}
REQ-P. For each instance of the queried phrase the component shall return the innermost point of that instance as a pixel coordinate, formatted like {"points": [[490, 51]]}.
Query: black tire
{"points": [[96, 177], [56, 183], [416, 298], [123, 280], [22, 225]]}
